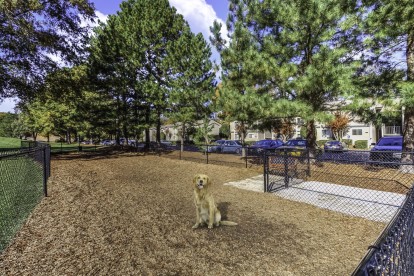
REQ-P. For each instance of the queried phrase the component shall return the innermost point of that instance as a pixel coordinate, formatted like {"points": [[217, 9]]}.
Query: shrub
{"points": [[361, 144], [348, 142], [320, 143]]}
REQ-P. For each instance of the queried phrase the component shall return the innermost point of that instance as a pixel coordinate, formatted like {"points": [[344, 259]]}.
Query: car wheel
{"points": [[238, 151]]}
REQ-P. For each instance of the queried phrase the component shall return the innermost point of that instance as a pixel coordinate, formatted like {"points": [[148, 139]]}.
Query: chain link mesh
{"points": [[23, 176], [375, 185]]}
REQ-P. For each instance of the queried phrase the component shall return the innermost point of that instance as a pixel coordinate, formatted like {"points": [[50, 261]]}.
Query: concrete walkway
{"points": [[370, 204]]}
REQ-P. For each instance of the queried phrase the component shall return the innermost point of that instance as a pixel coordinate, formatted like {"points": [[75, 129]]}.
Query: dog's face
{"points": [[201, 181]]}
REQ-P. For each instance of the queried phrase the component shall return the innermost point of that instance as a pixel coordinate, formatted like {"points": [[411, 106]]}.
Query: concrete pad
{"points": [[370, 204]]}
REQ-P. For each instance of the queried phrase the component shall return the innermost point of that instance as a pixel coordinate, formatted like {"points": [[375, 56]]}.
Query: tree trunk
{"points": [[68, 137], [242, 138], [311, 139], [147, 133], [409, 111], [408, 133], [311, 134], [158, 128], [182, 137]]}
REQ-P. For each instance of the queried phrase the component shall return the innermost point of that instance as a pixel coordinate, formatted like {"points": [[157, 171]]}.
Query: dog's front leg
{"points": [[197, 224], [211, 214]]}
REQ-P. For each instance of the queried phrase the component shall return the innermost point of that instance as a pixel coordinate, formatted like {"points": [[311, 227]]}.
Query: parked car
{"points": [[231, 146], [108, 142], [388, 149], [263, 145], [294, 147], [337, 146], [216, 146]]}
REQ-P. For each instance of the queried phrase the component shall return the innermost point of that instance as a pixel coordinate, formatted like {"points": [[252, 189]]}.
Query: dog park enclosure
{"points": [[132, 214]]}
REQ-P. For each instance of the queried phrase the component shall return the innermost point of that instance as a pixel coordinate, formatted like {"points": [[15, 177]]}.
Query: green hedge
{"points": [[361, 144]]}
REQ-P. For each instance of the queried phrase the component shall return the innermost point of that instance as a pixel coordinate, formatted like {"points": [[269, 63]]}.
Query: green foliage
{"points": [[279, 51], [147, 59], [348, 142], [31, 32], [224, 131], [361, 144], [390, 24], [6, 124], [321, 143]]}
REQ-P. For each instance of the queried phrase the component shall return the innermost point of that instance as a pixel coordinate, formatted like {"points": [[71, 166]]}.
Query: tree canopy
{"points": [[36, 36]]}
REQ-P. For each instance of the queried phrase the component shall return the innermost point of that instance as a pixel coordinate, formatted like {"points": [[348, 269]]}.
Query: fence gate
{"points": [[282, 168]]}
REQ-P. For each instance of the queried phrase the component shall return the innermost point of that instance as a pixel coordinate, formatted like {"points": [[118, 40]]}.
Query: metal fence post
{"points": [[308, 172], [265, 172], [245, 158], [207, 153], [44, 171], [286, 172]]}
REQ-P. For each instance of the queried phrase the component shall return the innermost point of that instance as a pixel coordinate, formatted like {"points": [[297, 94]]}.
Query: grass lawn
{"points": [[21, 181], [7, 142]]}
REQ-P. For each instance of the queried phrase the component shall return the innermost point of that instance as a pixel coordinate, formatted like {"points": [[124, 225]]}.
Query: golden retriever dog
{"points": [[206, 209]]}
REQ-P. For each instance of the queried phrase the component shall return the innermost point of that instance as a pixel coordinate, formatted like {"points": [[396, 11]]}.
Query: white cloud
{"points": [[99, 17], [200, 16]]}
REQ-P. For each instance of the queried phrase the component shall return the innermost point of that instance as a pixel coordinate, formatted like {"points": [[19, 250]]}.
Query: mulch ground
{"points": [[132, 214]]}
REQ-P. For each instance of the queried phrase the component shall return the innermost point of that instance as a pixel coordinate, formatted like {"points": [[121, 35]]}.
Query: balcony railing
{"points": [[391, 130]]}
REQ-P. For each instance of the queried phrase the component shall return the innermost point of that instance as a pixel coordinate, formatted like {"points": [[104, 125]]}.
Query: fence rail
{"points": [[23, 180]]}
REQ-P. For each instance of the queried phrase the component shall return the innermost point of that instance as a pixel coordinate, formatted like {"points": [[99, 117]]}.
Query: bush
{"points": [[361, 144], [320, 143], [348, 142]]}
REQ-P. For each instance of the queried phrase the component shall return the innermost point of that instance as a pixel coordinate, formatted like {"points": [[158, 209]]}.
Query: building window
{"points": [[251, 135], [357, 132], [324, 132]]}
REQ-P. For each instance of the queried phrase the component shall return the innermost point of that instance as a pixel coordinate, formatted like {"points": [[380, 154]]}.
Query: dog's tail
{"points": [[228, 223]]}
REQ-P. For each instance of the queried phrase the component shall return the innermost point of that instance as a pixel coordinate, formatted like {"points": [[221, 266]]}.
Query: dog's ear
{"points": [[208, 180], [195, 179]]}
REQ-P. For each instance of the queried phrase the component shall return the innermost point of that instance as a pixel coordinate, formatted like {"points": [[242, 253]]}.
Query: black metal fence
{"points": [[373, 185], [238, 156], [393, 252], [23, 181], [355, 182]]}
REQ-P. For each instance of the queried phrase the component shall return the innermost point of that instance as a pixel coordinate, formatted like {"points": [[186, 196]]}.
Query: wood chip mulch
{"points": [[132, 214]]}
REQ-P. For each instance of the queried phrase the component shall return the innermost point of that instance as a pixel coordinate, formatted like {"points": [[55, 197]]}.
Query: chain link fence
{"points": [[393, 252], [23, 181], [376, 185], [231, 155], [353, 182]]}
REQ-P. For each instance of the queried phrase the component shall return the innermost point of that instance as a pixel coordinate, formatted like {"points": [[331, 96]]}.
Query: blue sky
{"points": [[200, 14]]}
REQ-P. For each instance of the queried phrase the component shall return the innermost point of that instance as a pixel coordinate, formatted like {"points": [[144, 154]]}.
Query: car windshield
{"points": [[300, 143], [394, 141]]}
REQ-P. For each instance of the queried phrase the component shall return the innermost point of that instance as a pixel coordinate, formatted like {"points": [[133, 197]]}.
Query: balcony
{"points": [[391, 130]]}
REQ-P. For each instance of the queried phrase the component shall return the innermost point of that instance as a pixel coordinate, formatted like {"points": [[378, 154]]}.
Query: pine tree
{"points": [[146, 57], [298, 52], [390, 25]]}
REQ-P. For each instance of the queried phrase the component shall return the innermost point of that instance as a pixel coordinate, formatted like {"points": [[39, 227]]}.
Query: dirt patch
{"points": [[132, 215]]}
